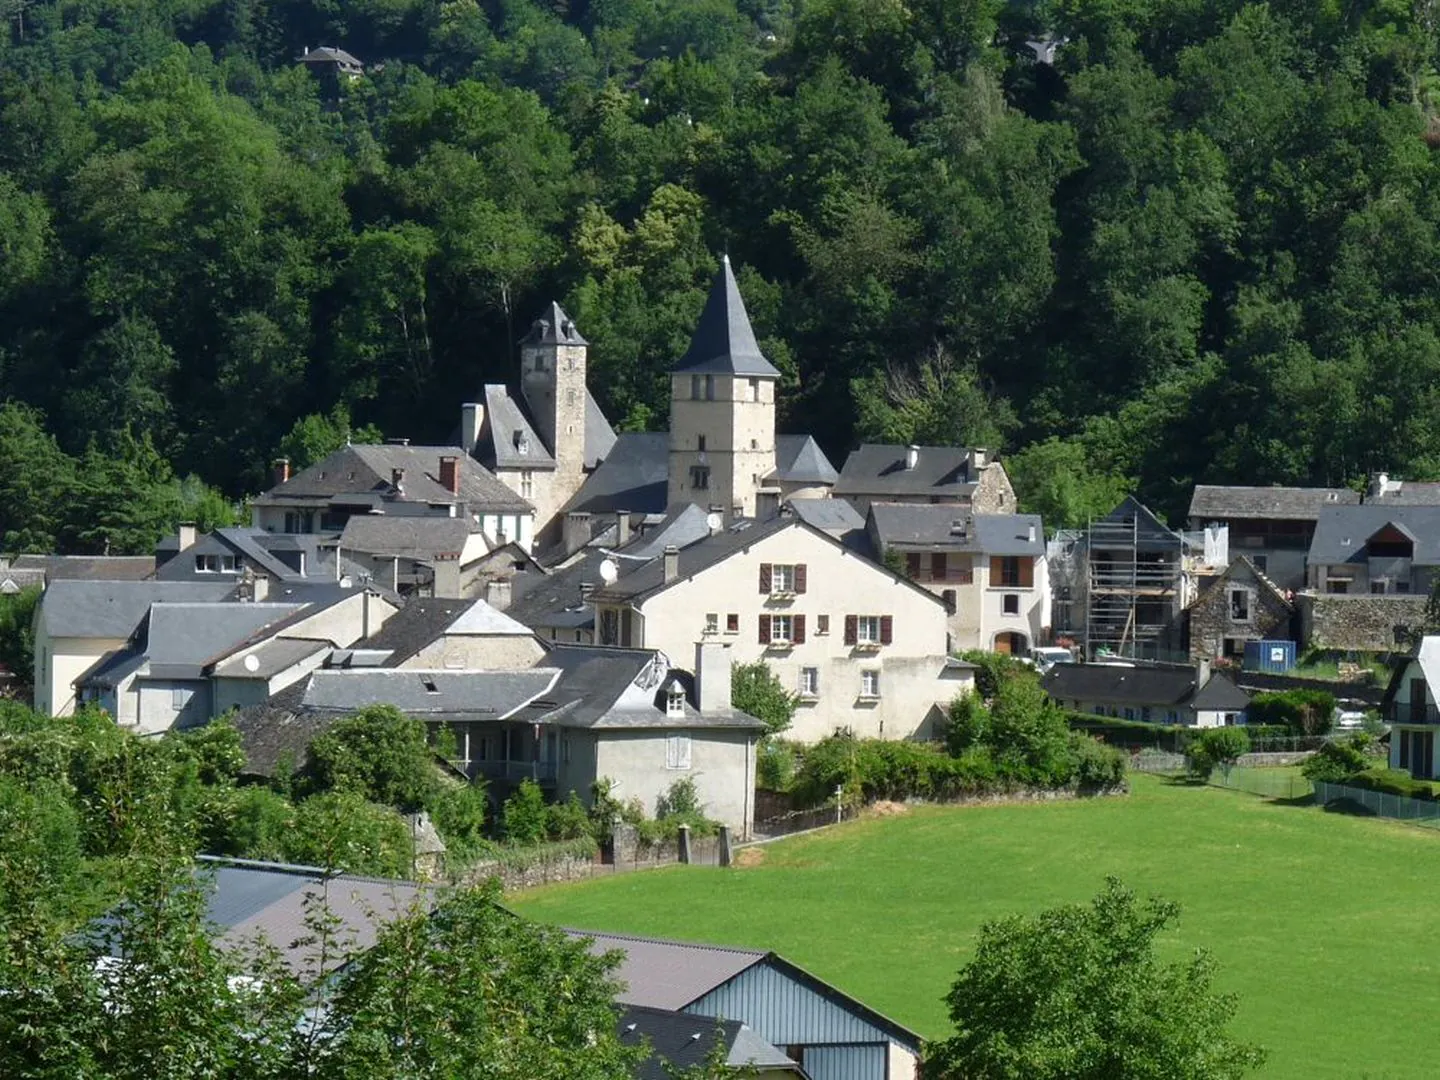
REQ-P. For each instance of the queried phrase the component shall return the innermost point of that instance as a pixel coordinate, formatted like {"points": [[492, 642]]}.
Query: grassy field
{"points": [[1327, 926]]}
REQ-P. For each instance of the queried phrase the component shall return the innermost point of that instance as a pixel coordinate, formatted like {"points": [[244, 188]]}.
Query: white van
{"points": [[1048, 656]]}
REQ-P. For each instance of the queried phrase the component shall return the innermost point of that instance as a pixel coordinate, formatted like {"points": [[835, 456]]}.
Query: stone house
{"points": [[864, 648], [989, 569], [969, 478], [1272, 526], [1241, 605]]}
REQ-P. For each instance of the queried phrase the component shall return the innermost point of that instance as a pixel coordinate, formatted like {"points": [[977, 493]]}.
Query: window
{"points": [[782, 577], [732, 623], [677, 752], [539, 361], [297, 521], [1012, 572], [527, 483], [699, 477], [1172, 717], [712, 623], [781, 627], [522, 442], [754, 389], [870, 684], [180, 697], [1011, 604], [822, 624], [1129, 713], [1337, 586], [700, 443], [1377, 587], [809, 682], [709, 387], [868, 630], [216, 564], [1239, 605], [675, 704], [696, 385]]}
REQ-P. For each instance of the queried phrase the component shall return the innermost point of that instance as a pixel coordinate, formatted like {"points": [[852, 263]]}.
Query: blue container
{"points": [[1276, 657]]}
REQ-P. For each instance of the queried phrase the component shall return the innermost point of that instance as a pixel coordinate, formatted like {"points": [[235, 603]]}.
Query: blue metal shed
{"points": [[1276, 657]]}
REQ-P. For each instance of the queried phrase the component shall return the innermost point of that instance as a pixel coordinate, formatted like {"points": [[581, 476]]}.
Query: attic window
{"points": [[430, 687], [675, 702], [522, 442]]}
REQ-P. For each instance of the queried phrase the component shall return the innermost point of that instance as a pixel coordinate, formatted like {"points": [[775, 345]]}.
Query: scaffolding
{"points": [[1134, 589]]}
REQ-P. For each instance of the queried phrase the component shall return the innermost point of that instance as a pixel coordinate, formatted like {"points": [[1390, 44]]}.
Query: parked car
{"points": [[1349, 721], [1046, 657]]}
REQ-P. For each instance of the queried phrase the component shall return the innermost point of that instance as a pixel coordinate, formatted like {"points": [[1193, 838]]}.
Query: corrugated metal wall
{"points": [[784, 1011], [845, 1062]]}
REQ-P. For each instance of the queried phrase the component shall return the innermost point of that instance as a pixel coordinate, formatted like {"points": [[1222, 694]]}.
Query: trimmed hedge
{"points": [[1392, 782]]}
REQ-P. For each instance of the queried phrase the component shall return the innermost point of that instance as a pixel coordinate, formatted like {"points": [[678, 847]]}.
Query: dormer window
{"points": [[675, 702], [522, 442]]}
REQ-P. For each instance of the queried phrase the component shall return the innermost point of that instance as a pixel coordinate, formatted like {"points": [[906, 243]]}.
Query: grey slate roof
{"points": [[271, 658], [1151, 534], [799, 460], [636, 583], [423, 621], [683, 1041], [878, 469], [14, 581], [360, 475], [553, 600], [599, 435], [406, 536], [1212, 502], [181, 638], [278, 728], [1169, 687], [113, 609], [926, 527], [634, 476], [507, 430], [664, 974], [724, 342], [489, 695], [329, 54], [1342, 531], [88, 567], [553, 327], [835, 516], [1407, 493]]}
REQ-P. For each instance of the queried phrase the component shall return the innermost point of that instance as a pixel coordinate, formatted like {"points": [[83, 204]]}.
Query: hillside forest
{"points": [[1134, 244]]}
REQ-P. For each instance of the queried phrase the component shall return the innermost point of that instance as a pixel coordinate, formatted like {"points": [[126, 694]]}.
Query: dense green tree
{"points": [[380, 754], [757, 690]]}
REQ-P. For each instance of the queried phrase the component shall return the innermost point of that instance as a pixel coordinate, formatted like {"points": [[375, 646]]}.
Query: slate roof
{"points": [[88, 567], [664, 974], [481, 695], [553, 327], [180, 639], [1342, 532], [799, 460], [361, 475], [271, 658], [279, 728], [507, 429], [879, 469], [634, 476], [329, 54], [599, 435], [553, 600], [113, 609], [1170, 687], [683, 1041], [1151, 534], [406, 536], [926, 527], [1242, 562], [1407, 493], [835, 516], [1213, 502], [724, 342], [14, 581], [423, 621]]}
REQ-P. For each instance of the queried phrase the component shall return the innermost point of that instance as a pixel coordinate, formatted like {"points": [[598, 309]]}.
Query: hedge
{"points": [[1392, 782]]}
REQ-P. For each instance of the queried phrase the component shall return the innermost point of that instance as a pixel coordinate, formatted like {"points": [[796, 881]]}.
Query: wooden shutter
{"points": [[1027, 572], [797, 630], [852, 629], [887, 629], [765, 628], [764, 577], [997, 570], [800, 577]]}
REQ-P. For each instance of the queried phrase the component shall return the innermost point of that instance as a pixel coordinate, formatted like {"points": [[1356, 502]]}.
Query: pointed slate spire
{"points": [[724, 343], [553, 327]]}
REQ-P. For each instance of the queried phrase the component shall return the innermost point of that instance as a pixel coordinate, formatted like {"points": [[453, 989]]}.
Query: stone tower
{"points": [[722, 410], [552, 378]]}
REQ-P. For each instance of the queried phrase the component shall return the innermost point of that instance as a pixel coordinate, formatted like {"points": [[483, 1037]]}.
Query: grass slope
{"points": [[1328, 927]]}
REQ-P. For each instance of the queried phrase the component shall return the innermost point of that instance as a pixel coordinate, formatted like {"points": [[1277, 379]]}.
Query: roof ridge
{"points": [[652, 940]]}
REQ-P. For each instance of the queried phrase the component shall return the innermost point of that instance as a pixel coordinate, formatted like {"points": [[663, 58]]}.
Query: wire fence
{"points": [[1271, 783], [1379, 803]]}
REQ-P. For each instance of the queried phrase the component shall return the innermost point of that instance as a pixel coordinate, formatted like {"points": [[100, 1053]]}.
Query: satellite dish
{"points": [[252, 663], [713, 521], [609, 571]]}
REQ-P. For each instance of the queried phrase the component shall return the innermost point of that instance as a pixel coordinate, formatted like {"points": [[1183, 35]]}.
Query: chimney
{"points": [[279, 471], [1202, 672], [446, 582], [187, 535], [672, 563], [260, 588], [1031, 534], [622, 527], [397, 442], [979, 458], [1379, 484], [397, 480], [712, 677], [450, 473], [497, 593], [472, 418], [576, 532], [912, 457]]}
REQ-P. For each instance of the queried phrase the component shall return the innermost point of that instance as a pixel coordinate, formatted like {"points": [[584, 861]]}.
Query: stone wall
{"points": [[1211, 624], [1365, 622]]}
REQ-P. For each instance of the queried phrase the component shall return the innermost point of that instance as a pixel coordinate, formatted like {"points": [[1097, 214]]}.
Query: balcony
{"points": [[927, 576], [1405, 713], [515, 771]]}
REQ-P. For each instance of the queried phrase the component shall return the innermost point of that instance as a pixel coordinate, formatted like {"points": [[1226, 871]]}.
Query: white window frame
{"points": [[712, 622], [782, 578], [870, 684], [777, 636], [867, 629], [675, 703], [180, 697], [809, 682], [677, 750], [527, 483]]}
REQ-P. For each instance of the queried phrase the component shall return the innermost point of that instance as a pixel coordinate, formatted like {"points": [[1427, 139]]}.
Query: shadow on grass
{"points": [[1349, 806]]}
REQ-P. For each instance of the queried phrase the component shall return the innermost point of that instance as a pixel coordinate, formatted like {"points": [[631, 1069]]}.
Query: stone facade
{"points": [[553, 382], [993, 493], [1360, 621], [722, 440], [1237, 607]]}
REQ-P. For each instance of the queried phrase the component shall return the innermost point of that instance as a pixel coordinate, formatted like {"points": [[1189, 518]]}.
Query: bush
{"points": [[1214, 747], [1338, 760], [993, 670], [775, 765], [525, 817], [460, 812], [340, 830], [568, 820], [969, 724], [1096, 765], [756, 690], [249, 823], [1392, 782], [379, 753], [1302, 712], [215, 750]]}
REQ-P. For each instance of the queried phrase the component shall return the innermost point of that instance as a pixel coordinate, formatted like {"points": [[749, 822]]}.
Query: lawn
{"points": [[1326, 926]]}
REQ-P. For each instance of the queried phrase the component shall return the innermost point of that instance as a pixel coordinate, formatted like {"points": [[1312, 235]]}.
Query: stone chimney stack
{"points": [[397, 480], [712, 677], [1202, 672], [622, 528], [672, 563], [577, 530]]}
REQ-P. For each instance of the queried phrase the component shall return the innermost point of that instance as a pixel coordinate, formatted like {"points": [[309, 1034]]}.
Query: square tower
{"points": [[722, 409], [552, 378]]}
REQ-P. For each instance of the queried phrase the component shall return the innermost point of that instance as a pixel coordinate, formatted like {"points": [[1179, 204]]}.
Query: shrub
{"points": [[969, 724], [341, 830], [249, 823], [1303, 712], [525, 817], [1337, 760], [1392, 782], [215, 750], [379, 753], [1096, 765], [460, 812], [756, 690], [568, 820], [775, 765], [995, 669], [1214, 747]]}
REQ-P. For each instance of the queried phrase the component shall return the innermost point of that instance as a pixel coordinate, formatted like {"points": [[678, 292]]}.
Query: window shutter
{"points": [[887, 629], [797, 630], [852, 629], [765, 628], [800, 577], [764, 577], [1027, 573], [997, 569]]}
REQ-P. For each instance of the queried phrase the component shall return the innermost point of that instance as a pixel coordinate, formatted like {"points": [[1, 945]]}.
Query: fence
{"points": [[802, 821], [1271, 783], [1380, 803]]}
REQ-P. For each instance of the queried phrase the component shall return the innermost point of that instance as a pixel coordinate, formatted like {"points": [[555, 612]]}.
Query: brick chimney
{"points": [[279, 471], [450, 473]]}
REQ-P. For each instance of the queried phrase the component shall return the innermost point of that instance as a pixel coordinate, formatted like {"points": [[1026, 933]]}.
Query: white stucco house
{"points": [[1410, 708]]}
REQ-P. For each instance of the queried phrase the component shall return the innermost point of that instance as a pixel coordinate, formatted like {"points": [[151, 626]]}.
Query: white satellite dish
{"points": [[252, 662], [713, 521], [609, 571]]}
